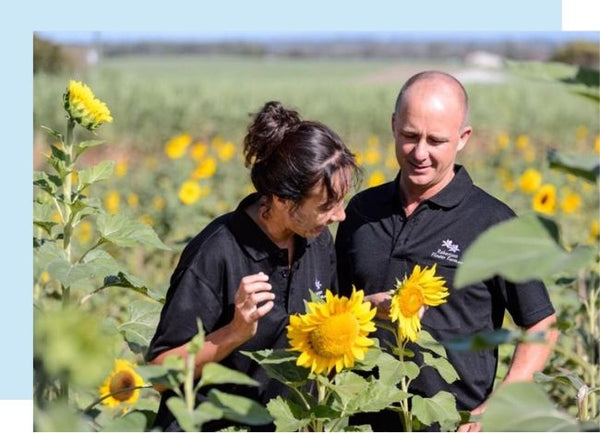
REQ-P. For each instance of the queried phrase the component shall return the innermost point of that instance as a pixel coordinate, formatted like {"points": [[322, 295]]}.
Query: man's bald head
{"points": [[442, 80]]}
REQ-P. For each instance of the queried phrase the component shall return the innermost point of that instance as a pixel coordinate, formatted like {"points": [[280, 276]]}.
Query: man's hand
{"points": [[252, 291], [475, 425]]}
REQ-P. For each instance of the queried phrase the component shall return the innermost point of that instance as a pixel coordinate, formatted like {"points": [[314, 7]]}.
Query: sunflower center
{"points": [[544, 199], [411, 300], [334, 337], [121, 381]]}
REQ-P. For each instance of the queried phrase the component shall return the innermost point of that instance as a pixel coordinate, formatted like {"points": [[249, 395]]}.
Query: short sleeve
{"points": [[527, 303], [187, 301]]}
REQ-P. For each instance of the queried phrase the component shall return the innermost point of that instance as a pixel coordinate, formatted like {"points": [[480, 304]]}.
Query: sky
{"points": [[206, 19]]}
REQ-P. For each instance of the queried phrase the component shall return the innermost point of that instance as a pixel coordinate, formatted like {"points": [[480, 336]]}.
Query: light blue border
{"points": [[307, 18]]}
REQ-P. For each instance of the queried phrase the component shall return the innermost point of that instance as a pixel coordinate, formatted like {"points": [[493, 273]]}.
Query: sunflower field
{"points": [[136, 155]]}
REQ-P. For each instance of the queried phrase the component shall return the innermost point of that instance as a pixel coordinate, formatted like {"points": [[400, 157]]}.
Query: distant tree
{"points": [[579, 53], [47, 57]]}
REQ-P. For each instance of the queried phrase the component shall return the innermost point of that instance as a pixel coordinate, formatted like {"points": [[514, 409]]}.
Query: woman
{"points": [[248, 270]]}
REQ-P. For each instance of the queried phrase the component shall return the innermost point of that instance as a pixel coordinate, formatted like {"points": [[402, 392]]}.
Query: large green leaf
{"points": [[439, 408], [184, 418], [102, 171], [126, 232], [391, 370], [239, 409], [582, 165], [133, 421], [442, 365], [215, 374], [280, 365], [122, 279], [519, 249], [287, 415], [355, 394], [524, 407], [140, 328]]}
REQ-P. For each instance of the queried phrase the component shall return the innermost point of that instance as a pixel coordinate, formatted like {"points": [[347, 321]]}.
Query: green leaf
{"points": [[426, 341], [123, 279], [99, 172], [586, 166], [169, 374], [139, 329], [179, 410], [486, 340], [54, 133], [84, 145], [42, 215], [239, 409], [442, 365], [287, 415], [132, 421], [440, 408], [280, 365], [519, 249], [125, 232], [524, 407], [567, 377], [215, 374], [355, 394], [392, 370], [205, 412], [47, 182]]}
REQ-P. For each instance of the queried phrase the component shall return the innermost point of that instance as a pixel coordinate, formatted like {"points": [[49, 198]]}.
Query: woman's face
{"points": [[314, 214]]}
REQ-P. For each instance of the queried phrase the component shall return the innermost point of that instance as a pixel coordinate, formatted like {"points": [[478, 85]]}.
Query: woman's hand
{"points": [[252, 291]]}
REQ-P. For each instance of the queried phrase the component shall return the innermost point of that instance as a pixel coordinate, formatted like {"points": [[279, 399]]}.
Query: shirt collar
{"points": [[451, 195], [254, 240]]}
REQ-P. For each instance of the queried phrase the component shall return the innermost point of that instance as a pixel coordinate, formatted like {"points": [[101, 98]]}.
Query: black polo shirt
{"points": [[207, 277], [377, 244]]}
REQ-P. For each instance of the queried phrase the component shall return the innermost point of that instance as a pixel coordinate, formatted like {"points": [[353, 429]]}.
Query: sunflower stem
{"points": [[105, 396]]}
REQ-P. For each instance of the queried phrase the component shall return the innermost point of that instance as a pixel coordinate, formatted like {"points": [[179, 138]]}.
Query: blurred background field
{"points": [[180, 113]]}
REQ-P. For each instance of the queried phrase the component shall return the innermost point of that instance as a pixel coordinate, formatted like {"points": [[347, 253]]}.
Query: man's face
{"points": [[428, 133], [313, 215]]}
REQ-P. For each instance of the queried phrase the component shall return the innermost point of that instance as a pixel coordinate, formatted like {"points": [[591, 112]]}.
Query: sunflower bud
{"points": [[83, 107]]}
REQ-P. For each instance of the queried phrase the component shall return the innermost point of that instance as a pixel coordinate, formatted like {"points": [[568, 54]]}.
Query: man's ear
{"points": [[393, 123], [464, 137]]}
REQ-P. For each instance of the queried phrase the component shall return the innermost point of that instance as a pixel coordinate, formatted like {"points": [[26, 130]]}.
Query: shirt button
{"points": [[285, 273]]}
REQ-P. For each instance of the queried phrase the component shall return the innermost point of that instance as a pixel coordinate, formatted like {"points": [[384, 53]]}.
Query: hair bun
{"points": [[267, 131]]}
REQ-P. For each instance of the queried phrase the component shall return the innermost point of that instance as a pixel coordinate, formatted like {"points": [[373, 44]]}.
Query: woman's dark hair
{"points": [[289, 156]]}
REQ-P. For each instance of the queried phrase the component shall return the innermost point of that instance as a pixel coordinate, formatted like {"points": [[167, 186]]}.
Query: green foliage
{"points": [[579, 53], [47, 57]]}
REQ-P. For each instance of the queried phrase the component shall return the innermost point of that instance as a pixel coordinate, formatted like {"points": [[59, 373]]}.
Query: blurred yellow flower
{"points": [[158, 202], [205, 168], [422, 288], [44, 277], [391, 162], [112, 201], [522, 142], [377, 178], [177, 146], [332, 334], [372, 156], [597, 144], [503, 140], [373, 141], [121, 385], [121, 168], [544, 201], [83, 107], [198, 151], [509, 185], [570, 202], [84, 232], [225, 150], [74, 177], [146, 219], [133, 200], [530, 181], [581, 133], [189, 192], [594, 235], [359, 157], [56, 217]]}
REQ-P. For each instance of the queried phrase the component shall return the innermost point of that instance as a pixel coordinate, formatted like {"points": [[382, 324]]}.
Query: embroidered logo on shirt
{"points": [[448, 251], [318, 289]]}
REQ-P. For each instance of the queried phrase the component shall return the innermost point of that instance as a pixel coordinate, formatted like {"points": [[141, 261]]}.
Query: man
{"points": [[429, 215]]}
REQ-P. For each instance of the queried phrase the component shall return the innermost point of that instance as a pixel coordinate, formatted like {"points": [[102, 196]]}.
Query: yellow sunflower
{"points": [[189, 192], [544, 200], [177, 146], [333, 333], [376, 178], [121, 384], [530, 180], [422, 288], [83, 107]]}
